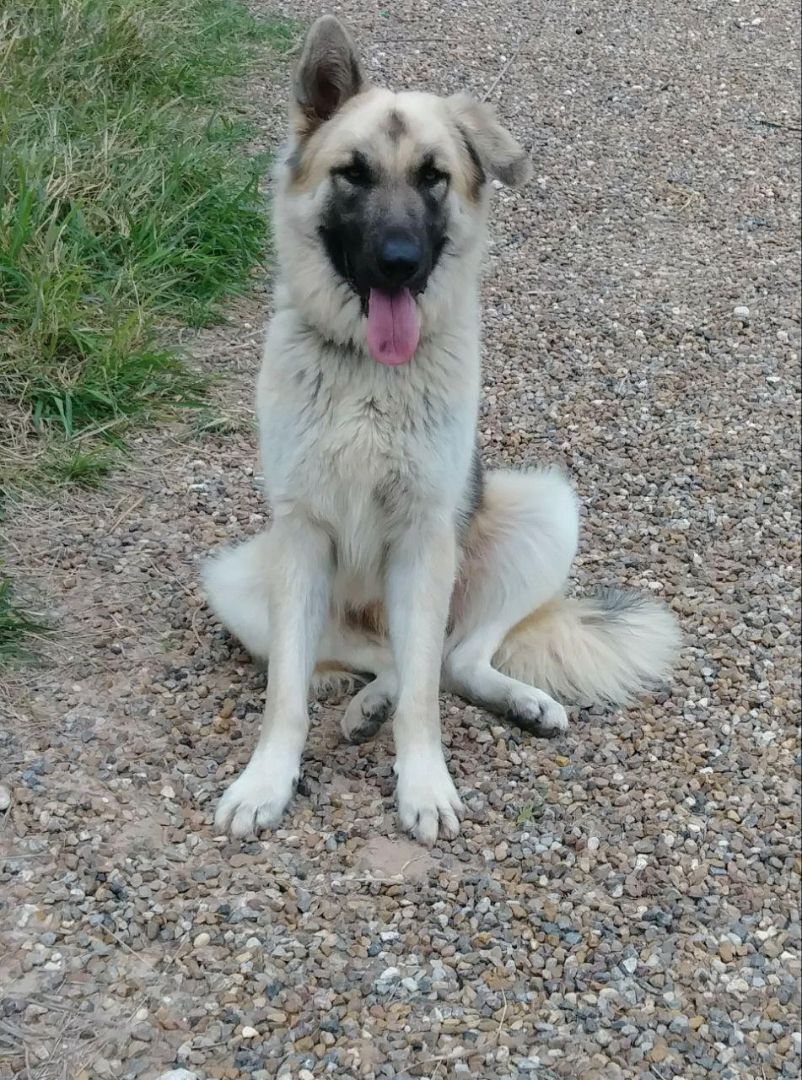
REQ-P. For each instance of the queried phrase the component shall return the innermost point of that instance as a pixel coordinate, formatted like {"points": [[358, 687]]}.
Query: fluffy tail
{"points": [[605, 649], [235, 584]]}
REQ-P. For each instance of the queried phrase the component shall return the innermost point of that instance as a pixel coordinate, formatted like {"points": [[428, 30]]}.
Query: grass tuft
{"points": [[85, 467], [16, 626], [533, 810], [213, 423]]}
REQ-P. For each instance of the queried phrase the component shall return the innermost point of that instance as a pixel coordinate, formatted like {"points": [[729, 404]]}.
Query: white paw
{"points": [[366, 712], [537, 712], [428, 802], [259, 796]]}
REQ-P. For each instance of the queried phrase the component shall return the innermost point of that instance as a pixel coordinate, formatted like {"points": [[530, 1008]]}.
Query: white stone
{"points": [[179, 1074], [5, 797], [741, 311], [201, 940], [250, 1033]]}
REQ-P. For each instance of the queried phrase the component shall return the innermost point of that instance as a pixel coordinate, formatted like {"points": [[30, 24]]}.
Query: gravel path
{"points": [[621, 903]]}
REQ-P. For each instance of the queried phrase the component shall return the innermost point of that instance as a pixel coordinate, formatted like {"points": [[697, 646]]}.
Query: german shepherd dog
{"points": [[390, 552]]}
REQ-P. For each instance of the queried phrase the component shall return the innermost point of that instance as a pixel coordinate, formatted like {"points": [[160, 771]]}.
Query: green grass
{"points": [[208, 422], [16, 626], [531, 811], [128, 207], [85, 467], [126, 204]]}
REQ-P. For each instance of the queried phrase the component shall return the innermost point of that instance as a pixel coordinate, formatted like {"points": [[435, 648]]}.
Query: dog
{"points": [[390, 551]]}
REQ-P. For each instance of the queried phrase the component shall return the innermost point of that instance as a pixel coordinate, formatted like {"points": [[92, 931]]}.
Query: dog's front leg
{"points": [[420, 579], [299, 568]]}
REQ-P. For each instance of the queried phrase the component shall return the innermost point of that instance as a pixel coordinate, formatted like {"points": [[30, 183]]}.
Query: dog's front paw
{"points": [[259, 796], [428, 802]]}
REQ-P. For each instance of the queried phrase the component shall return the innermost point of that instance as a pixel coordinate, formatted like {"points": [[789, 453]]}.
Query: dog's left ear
{"points": [[327, 75], [499, 153]]}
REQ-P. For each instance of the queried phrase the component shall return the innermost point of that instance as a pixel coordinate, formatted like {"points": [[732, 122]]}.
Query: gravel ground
{"points": [[621, 903]]}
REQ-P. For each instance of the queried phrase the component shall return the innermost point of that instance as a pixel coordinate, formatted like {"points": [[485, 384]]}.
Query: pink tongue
{"points": [[393, 326]]}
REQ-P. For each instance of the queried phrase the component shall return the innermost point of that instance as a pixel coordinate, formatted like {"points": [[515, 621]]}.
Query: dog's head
{"points": [[382, 199]]}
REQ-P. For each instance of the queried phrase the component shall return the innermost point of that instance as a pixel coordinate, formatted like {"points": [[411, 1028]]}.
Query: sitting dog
{"points": [[390, 551]]}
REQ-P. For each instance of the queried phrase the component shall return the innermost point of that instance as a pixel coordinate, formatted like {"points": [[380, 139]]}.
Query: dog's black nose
{"points": [[400, 258]]}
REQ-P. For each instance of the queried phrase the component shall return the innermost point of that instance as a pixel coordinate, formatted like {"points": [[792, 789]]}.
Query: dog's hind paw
{"points": [[366, 713], [537, 713]]}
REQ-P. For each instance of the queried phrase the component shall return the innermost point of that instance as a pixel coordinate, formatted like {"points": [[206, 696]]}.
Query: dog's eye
{"points": [[356, 172], [429, 176]]}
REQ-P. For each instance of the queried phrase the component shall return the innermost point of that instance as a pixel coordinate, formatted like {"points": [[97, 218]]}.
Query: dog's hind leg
{"points": [[371, 707], [350, 659], [517, 557], [347, 652], [235, 582]]}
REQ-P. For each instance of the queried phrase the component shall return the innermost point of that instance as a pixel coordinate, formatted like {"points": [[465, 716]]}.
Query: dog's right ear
{"points": [[327, 75]]}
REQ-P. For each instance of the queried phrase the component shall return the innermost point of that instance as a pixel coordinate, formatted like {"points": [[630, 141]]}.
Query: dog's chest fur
{"points": [[362, 449]]}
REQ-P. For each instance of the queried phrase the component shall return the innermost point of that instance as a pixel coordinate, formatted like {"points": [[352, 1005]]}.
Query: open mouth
{"points": [[393, 326]]}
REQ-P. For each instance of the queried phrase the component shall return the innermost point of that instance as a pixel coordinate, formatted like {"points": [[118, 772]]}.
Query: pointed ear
{"points": [[327, 75], [499, 153]]}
